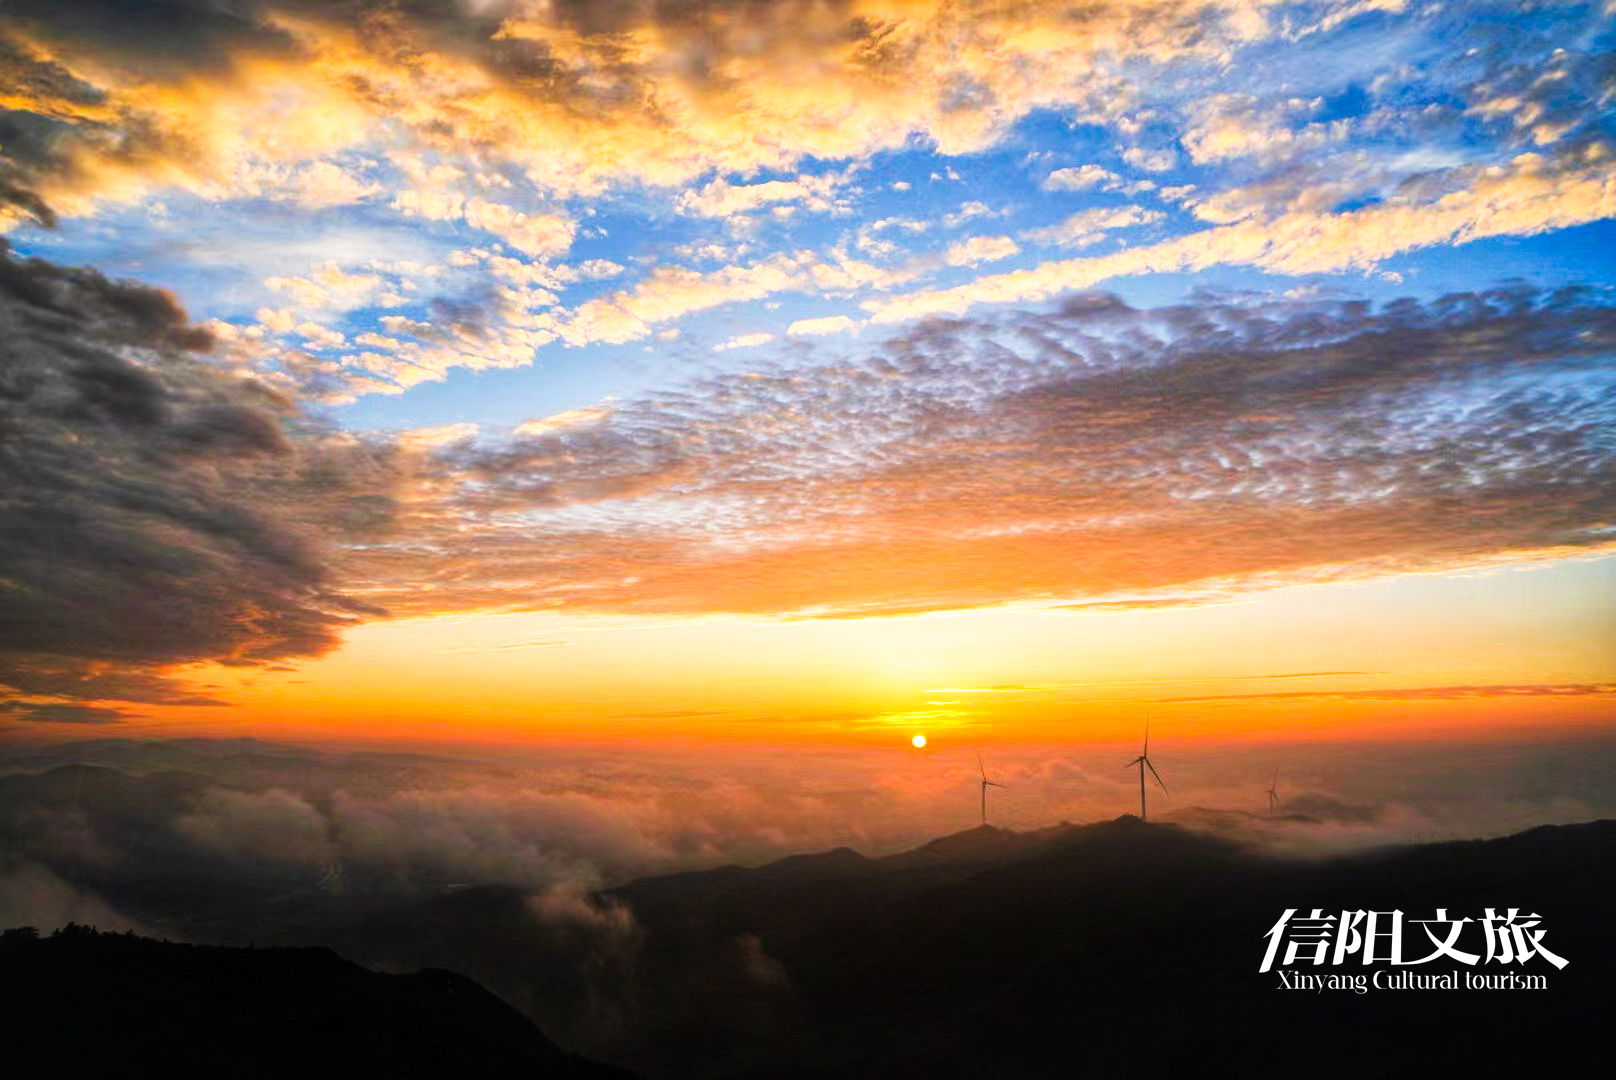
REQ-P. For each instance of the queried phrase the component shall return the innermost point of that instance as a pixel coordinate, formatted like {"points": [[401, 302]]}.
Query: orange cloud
{"points": [[578, 96], [1098, 453]]}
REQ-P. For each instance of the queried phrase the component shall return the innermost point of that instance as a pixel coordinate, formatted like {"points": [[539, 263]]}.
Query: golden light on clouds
{"points": [[762, 343]]}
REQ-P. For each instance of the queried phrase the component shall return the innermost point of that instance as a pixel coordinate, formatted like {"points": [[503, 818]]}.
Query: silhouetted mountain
{"points": [[984, 844], [1112, 949], [1118, 948], [86, 1004]]}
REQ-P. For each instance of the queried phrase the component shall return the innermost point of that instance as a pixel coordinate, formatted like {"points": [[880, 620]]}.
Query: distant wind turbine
{"points": [[1273, 791], [1143, 761], [986, 783]]}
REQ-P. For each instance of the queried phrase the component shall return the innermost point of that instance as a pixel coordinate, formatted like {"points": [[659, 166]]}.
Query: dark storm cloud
{"points": [[155, 508]]}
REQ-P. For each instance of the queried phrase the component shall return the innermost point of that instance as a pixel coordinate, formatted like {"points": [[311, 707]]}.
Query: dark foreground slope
{"points": [[86, 1004]]}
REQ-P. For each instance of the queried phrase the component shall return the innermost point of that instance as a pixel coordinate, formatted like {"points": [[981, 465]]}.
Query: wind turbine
{"points": [[1143, 761], [986, 783], [1273, 791]]}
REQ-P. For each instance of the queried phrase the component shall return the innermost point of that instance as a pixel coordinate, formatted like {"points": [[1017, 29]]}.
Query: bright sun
{"points": [[919, 740]]}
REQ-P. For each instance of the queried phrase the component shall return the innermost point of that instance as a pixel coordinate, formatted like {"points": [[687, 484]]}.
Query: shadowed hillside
{"points": [[1112, 949], [86, 1004]]}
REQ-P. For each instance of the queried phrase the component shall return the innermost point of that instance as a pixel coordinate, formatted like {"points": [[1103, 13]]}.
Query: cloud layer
{"points": [[166, 509], [248, 833], [417, 187], [578, 94], [522, 152], [1099, 451]]}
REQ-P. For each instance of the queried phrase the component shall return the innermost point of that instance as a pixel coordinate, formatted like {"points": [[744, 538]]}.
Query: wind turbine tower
{"points": [[986, 783], [1143, 761]]}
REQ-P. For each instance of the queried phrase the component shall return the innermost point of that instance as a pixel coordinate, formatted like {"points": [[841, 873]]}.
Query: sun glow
{"points": [[919, 741]]}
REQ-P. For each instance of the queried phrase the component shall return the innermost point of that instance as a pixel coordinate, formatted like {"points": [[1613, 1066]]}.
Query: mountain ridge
{"points": [[975, 966], [991, 953], [146, 1007]]}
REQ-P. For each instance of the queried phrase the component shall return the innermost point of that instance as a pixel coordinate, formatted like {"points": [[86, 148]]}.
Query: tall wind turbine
{"points": [[986, 783], [1143, 761], [1273, 791]]}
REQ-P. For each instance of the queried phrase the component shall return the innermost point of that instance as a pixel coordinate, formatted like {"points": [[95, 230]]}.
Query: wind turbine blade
{"points": [[1154, 773], [979, 766], [1134, 762], [1147, 733], [992, 783]]}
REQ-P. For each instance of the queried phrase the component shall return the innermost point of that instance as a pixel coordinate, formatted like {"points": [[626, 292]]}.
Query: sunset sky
{"points": [[824, 373]]}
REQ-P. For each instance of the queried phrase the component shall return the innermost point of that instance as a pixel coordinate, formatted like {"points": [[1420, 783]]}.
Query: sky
{"points": [[726, 376]]}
